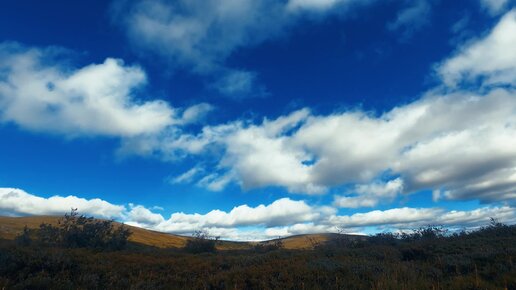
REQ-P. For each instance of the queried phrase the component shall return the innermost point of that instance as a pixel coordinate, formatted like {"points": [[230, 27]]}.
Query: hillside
{"points": [[428, 259], [10, 227]]}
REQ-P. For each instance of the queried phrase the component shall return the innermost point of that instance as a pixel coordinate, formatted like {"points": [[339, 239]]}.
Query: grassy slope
{"points": [[10, 227]]}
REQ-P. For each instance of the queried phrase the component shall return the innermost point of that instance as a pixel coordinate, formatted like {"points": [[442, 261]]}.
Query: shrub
{"points": [[201, 242], [79, 231]]}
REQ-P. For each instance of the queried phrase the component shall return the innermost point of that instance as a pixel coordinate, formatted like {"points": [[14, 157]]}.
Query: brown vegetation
{"points": [[427, 258], [10, 227]]}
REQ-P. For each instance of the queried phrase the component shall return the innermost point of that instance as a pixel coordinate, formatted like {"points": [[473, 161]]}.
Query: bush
{"points": [[201, 242], [78, 231]]}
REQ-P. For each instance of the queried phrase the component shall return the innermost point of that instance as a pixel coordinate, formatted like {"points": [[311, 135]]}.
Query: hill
{"points": [[10, 227], [425, 259]]}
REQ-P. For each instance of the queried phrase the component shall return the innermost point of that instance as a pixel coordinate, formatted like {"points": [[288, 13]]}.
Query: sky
{"points": [[258, 119]]}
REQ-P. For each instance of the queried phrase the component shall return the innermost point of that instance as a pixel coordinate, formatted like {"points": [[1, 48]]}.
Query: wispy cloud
{"points": [[200, 35], [412, 18]]}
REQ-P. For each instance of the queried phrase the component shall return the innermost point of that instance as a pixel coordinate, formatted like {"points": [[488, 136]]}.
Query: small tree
{"points": [[79, 231], [201, 242]]}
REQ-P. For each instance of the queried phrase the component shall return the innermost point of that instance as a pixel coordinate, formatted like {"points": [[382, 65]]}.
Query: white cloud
{"points": [[215, 182], [16, 202], [318, 5], [196, 113], [369, 195], [140, 215], [491, 58], [40, 91], [93, 100], [396, 219], [282, 217], [281, 212], [409, 218], [187, 176], [459, 144], [446, 142], [200, 35]]}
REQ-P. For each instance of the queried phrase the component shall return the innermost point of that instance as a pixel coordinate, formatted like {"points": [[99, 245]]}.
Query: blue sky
{"points": [[258, 119]]}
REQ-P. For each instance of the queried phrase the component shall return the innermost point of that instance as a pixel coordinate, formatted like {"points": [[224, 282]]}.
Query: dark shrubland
{"points": [[427, 258]]}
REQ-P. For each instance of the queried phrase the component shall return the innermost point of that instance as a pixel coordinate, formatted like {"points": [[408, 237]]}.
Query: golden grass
{"points": [[304, 241], [10, 227]]}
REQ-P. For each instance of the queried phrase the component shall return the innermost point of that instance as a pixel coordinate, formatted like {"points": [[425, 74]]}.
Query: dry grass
{"points": [[10, 227], [305, 241]]}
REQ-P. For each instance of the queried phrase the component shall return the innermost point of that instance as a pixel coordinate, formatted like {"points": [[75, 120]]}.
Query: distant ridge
{"points": [[10, 227]]}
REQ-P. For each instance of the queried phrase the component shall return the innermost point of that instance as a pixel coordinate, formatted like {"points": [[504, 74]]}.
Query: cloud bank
{"points": [[280, 218]]}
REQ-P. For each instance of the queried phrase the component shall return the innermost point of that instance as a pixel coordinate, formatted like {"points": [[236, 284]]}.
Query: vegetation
{"points": [[427, 258], [77, 231], [276, 244], [202, 242]]}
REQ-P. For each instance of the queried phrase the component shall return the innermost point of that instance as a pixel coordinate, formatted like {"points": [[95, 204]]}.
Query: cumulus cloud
{"points": [[457, 143], [405, 218], [140, 215], [492, 59], [94, 100], [280, 218], [281, 212], [409, 218], [41, 91], [14, 202], [461, 144]]}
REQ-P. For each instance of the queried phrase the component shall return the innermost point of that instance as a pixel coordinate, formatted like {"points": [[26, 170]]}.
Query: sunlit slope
{"points": [[10, 227]]}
